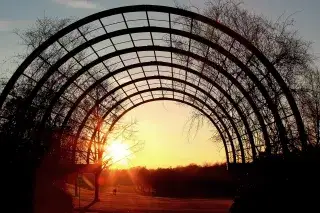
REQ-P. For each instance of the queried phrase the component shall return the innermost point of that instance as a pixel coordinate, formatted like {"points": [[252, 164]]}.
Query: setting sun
{"points": [[118, 152]]}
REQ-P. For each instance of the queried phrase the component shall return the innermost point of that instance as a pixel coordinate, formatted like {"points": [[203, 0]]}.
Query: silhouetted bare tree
{"points": [[309, 104], [277, 40]]}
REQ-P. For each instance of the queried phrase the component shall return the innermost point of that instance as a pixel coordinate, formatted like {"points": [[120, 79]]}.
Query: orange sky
{"points": [[162, 126]]}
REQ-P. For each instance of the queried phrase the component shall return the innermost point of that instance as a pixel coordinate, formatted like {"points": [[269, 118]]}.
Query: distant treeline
{"points": [[188, 181]]}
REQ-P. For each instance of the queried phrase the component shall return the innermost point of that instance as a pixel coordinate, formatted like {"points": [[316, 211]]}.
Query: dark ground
{"points": [[128, 201]]}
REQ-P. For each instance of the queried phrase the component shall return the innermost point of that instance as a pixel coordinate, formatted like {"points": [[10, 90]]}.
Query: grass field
{"points": [[128, 201]]}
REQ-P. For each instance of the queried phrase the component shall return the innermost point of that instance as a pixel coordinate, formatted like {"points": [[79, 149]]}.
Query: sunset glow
{"points": [[118, 152]]}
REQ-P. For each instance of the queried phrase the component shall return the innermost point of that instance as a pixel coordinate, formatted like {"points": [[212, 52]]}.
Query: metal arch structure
{"points": [[122, 58], [183, 102]]}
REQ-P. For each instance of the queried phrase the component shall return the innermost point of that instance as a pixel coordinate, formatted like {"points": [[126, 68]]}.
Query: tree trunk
{"points": [[97, 173], [97, 185], [76, 186]]}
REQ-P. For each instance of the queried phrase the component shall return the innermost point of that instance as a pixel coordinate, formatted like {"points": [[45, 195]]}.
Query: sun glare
{"points": [[119, 152]]}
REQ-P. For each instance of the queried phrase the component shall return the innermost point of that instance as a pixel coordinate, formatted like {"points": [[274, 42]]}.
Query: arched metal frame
{"points": [[248, 117], [189, 104], [167, 89]]}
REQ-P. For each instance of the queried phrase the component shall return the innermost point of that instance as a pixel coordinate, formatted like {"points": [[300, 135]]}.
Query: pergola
{"points": [[122, 58]]}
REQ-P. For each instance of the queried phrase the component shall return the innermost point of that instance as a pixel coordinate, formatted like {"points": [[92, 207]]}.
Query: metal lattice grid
{"points": [[122, 58]]}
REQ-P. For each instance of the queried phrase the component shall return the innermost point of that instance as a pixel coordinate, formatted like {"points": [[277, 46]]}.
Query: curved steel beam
{"points": [[159, 63], [167, 10], [189, 104], [181, 92], [215, 46], [247, 96], [189, 84], [195, 56]]}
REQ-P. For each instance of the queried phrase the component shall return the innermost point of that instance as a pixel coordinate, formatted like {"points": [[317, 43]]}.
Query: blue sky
{"points": [[161, 138]]}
